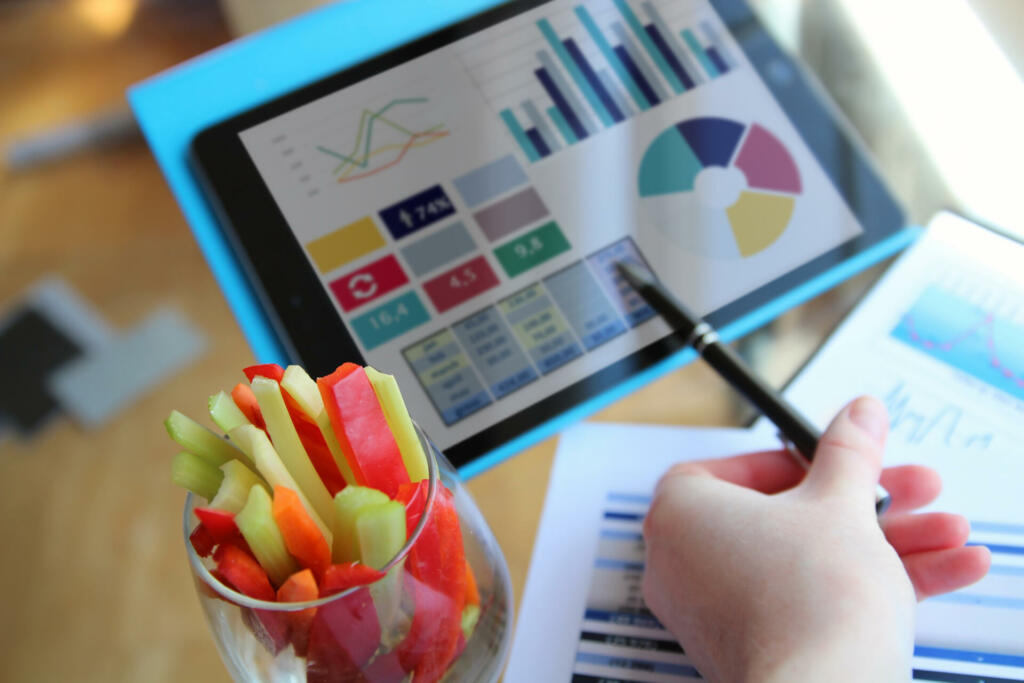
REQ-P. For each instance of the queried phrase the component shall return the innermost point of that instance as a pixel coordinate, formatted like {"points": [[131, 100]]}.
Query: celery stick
{"points": [[254, 442], [397, 416], [347, 506], [225, 413], [195, 474], [289, 446], [256, 522], [197, 439], [234, 490], [380, 529], [470, 615], [301, 387]]}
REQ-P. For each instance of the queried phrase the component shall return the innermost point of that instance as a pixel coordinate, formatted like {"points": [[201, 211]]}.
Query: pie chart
{"points": [[718, 186]]}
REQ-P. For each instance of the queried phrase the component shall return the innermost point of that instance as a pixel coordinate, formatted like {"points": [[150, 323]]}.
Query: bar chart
{"points": [[583, 70]]}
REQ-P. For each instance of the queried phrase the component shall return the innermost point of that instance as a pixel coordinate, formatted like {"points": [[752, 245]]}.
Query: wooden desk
{"points": [[95, 583]]}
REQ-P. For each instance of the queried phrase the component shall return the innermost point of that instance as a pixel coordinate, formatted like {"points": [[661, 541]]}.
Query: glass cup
{"points": [[371, 633]]}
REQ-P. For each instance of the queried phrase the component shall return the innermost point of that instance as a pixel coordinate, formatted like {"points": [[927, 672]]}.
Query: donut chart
{"points": [[752, 195]]}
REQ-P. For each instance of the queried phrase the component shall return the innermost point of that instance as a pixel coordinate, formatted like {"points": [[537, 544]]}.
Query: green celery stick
{"points": [[234, 490], [301, 387], [380, 529], [347, 505], [254, 443], [288, 445], [397, 416], [197, 439], [225, 413], [470, 615], [195, 474], [256, 522]]}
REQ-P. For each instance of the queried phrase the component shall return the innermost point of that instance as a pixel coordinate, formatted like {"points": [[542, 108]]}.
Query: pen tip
{"points": [[635, 275]]}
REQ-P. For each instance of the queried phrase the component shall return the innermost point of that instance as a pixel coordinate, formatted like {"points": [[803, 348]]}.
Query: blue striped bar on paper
{"points": [[669, 54], [651, 666], [645, 40], [622, 70], [562, 125], [618, 97], [490, 180], [571, 105], [519, 134], [636, 55], [716, 41], [717, 60], [968, 656], [604, 97], [980, 600], [541, 124], [538, 142], [661, 28], [634, 71], [996, 527], [698, 51], [582, 82]]}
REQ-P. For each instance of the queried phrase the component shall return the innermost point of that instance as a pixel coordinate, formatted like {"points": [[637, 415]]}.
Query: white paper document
{"points": [[940, 340]]}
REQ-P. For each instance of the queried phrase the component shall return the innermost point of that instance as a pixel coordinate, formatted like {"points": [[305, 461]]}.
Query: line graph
{"points": [[967, 337], [394, 141]]}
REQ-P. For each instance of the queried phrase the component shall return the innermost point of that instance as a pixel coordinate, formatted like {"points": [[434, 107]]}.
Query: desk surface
{"points": [[94, 574]]}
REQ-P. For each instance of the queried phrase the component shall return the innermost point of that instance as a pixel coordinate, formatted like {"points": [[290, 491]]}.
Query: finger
{"points": [[911, 486], [909, 534], [943, 571], [849, 456], [766, 471]]}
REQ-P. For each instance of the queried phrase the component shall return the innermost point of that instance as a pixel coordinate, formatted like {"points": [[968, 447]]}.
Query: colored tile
{"points": [[540, 328], [447, 376], [345, 244], [439, 248], [417, 212], [630, 304], [451, 288], [390, 320], [487, 182], [531, 249], [493, 349], [370, 282], [584, 305], [511, 214]]}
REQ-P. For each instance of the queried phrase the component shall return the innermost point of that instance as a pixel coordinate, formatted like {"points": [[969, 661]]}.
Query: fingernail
{"points": [[870, 415]]}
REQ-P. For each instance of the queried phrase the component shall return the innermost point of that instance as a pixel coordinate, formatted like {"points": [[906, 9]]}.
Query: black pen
{"points": [[801, 436]]}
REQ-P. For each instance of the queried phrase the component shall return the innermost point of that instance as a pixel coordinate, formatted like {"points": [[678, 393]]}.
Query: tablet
{"points": [[451, 211]]}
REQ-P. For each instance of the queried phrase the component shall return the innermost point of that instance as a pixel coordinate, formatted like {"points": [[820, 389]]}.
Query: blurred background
{"points": [[102, 286]]}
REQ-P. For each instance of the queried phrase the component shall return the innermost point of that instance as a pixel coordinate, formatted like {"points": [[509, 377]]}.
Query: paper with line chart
{"points": [[940, 340], [464, 210]]}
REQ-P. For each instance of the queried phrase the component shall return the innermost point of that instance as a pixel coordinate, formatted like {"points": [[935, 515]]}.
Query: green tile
{"points": [[531, 249]]}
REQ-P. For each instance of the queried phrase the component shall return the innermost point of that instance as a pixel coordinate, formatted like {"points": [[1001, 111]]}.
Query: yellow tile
{"points": [[345, 244]]}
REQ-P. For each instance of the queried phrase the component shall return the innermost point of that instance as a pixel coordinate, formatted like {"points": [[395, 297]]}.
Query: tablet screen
{"points": [[464, 210]]}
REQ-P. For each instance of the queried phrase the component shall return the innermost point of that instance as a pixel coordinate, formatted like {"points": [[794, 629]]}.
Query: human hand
{"points": [[804, 584]]}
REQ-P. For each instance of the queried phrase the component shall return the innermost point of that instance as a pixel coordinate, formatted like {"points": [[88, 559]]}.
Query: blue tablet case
{"points": [[174, 106]]}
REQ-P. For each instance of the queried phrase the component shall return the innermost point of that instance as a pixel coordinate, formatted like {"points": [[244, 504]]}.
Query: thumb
{"points": [[849, 456]]}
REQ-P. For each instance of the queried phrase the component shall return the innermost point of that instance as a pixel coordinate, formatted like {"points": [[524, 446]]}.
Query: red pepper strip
{"points": [[316, 446], [437, 566], [299, 587], [345, 632], [220, 523], [202, 541], [414, 496], [246, 401], [243, 573], [271, 370], [302, 536], [306, 427], [360, 424]]}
